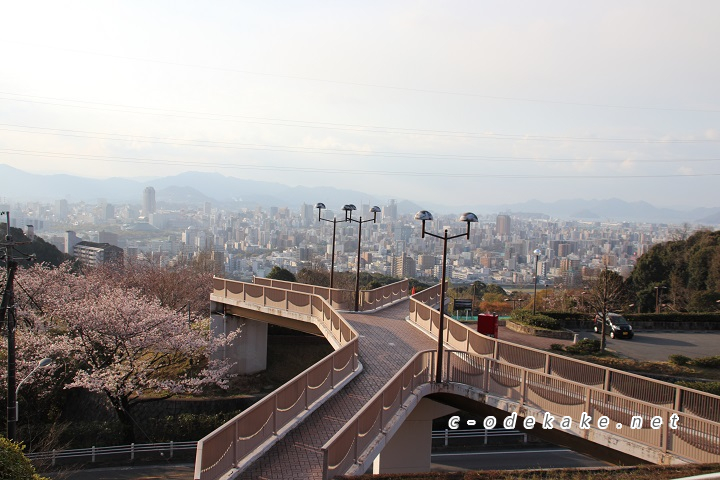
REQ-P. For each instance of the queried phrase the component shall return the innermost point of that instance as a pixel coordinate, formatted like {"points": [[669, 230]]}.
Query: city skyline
{"points": [[520, 101]]}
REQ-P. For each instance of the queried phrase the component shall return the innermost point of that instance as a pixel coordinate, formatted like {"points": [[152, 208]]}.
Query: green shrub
{"points": [[558, 347], [677, 359], [13, 464], [586, 346], [526, 317], [707, 362], [708, 387]]}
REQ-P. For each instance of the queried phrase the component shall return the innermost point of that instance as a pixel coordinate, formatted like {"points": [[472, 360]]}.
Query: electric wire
{"points": [[367, 85]]}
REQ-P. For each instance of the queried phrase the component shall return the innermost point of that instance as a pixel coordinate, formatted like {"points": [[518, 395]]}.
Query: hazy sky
{"points": [[454, 102]]}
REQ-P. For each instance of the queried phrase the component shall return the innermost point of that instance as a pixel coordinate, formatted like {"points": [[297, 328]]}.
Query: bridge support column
{"points": [[409, 448], [249, 349]]}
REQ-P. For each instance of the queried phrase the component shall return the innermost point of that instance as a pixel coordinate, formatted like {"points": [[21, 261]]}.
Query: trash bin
{"points": [[488, 324]]}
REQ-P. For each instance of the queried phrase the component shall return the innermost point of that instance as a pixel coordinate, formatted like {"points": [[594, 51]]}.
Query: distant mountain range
{"points": [[196, 188]]}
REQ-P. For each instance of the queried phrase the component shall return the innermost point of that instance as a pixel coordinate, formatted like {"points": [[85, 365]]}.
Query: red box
{"points": [[488, 324]]}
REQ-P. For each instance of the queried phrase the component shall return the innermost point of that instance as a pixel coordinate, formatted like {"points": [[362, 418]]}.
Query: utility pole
{"points": [[7, 316]]}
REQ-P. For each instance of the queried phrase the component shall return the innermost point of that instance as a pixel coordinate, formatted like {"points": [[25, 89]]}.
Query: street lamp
{"points": [[321, 206], [657, 297], [512, 300], [348, 218], [424, 215], [41, 364], [537, 253]]}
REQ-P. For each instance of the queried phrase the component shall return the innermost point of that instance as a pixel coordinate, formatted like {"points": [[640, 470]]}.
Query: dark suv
{"points": [[616, 326]]}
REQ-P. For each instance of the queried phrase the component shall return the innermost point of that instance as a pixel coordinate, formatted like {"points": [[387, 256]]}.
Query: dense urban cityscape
{"points": [[247, 243]]}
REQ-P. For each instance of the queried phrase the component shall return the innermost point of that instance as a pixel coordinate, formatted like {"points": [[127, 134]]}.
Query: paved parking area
{"points": [[657, 346]]}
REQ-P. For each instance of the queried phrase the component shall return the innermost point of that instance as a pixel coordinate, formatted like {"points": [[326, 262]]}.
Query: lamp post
{"points": [[41, 364], [424, 216], [321, 206], [537, 253], [348, 218]]}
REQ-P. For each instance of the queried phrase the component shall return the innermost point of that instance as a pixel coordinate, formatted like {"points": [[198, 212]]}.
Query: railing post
{"points": [[236, 445], [275, 408], [332, 372], [523, 386], [446, 437], [307, 383], [357, 434], [678, 399], [132, 451], [171, 448], [92, 454], [54, 453], [547, 364], [588, 394], [486, 377], [606, 380]]}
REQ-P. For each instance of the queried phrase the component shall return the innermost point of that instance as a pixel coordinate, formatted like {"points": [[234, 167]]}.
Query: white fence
{"points": [[128, 451]]}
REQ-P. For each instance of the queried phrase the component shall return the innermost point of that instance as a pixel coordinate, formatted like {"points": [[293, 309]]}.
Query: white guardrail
{"points": [[130, 451]]}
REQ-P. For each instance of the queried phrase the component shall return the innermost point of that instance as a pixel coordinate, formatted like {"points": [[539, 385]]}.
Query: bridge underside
{"points": [[556, 436]]}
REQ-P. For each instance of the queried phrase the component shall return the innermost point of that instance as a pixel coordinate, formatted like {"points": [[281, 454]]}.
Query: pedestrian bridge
{"points": [[371, 402]]}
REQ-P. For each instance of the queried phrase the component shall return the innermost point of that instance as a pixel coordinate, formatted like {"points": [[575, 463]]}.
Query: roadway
{"points": [[484, 459], [512, 459], [657, 346]]}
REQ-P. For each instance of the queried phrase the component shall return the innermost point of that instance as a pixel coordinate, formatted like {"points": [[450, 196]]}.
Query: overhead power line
{"points": [[344, 171], [210, 143], [368, 85]]}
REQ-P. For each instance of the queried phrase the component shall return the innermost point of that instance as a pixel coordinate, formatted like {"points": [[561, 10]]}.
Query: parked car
{"points": [[616, 326]]}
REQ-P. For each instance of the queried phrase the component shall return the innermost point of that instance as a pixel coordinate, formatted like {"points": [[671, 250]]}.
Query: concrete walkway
{"points": [[387, 343]]}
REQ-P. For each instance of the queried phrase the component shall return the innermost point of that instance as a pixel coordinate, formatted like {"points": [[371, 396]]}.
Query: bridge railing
{"points": [[338, 298], [460, 337], [385, 295], [227, 446], [349, 443], [694, 439], [344, 299]]}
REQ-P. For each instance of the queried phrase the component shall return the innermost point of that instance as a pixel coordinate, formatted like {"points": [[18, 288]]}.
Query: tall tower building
{"points": [[148, 201], [502, 226]]}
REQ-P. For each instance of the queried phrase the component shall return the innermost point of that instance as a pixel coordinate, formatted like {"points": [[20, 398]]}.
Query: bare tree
{"points": [[605, 294]]}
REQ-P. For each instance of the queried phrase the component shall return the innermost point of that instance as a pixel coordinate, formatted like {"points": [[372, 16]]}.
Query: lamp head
{"points": [[537, 252], [375, 210], [469, 218], [320, 206], [423, 216], [45, 362], [348, 210]]}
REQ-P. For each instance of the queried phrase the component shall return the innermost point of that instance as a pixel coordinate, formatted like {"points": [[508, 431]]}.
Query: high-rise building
{"points": [[148, 201], [403, 267], [502, 226], [389, 212], [70, 241]]}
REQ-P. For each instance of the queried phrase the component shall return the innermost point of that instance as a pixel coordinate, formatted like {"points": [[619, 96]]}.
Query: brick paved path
{"points": [[387, 342]]}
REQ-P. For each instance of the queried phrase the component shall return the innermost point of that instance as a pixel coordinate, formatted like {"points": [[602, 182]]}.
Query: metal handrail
{"points": [[94, 452]]}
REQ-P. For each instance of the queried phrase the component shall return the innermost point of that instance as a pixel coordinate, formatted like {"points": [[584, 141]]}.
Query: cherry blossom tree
{"points": [[118, 341]]}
